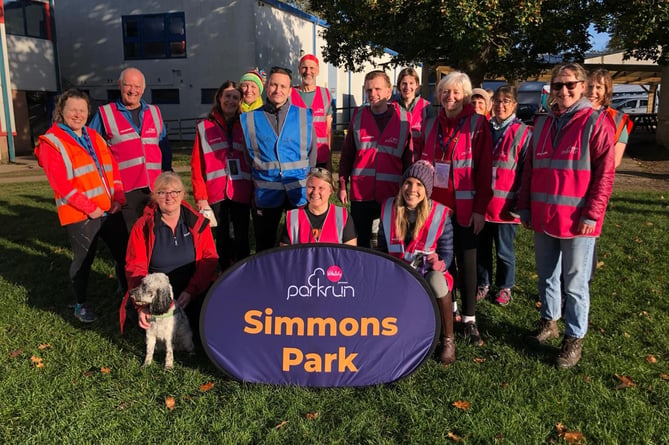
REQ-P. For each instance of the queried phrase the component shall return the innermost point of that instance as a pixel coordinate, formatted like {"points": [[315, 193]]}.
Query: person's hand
{"points": [[585, 228], [477, 221], [184, 299], [343, 196], [202, 204], [527, 224], [143, 318], [97, 213], [115, 207], [435, 263]]}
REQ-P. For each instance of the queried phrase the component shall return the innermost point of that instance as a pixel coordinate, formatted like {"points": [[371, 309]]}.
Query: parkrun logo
{"points": [[322, 283]]}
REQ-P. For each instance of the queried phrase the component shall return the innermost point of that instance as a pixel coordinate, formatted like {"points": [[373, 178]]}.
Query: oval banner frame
{"points": [[320, 315]]}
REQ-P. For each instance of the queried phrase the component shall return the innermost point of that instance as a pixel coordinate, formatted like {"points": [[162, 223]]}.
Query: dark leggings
{"points": [[464, 266], [231, 246]]}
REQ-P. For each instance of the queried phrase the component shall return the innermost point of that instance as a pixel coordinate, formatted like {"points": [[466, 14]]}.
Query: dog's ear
{"points": [[162, 301]]}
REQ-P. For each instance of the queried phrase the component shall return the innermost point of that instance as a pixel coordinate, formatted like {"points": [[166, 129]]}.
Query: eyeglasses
{"points": [[503, 101], [557, 86], [172, 194]]}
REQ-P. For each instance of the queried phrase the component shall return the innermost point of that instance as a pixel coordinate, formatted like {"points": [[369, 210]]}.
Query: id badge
{"points": [[442, 170], [234, 169]]}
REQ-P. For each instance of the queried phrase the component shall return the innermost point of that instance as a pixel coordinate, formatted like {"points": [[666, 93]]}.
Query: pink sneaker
{"points": [[503, 297], [482, 292]]}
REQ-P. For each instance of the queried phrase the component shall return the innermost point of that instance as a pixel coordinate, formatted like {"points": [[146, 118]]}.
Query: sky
{"points": [[598, 39]]}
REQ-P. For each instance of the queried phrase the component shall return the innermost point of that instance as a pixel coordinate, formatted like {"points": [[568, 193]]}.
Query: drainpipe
{"points": [[6, 88]]}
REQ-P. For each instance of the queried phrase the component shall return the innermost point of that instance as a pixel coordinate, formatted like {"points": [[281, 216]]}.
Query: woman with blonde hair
{"points": [[567, 182], [319, 221], [418, 230], [458, 143]]}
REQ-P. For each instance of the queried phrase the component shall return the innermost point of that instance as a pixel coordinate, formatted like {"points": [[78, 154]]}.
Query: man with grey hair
{"points": [[137, 137]]}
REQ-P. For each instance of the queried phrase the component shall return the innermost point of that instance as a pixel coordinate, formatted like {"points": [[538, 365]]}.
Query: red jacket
{"points": [[569, 182], [140, 248], [469, 152]]}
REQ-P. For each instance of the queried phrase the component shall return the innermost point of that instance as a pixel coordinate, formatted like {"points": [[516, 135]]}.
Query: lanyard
{"points": [[455, 133]]}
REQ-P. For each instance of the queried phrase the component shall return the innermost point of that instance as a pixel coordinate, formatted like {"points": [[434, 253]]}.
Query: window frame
{"points": [[136, 47]]}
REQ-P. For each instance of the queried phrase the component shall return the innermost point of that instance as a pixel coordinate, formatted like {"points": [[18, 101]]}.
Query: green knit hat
{"points": [[253, 76]]}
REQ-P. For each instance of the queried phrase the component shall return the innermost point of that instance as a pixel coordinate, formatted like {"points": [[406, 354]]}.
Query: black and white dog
{"points": [[169, 323]]}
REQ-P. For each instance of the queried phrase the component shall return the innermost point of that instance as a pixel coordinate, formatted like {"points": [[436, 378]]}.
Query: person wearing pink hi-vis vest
{"points": [[567, 182], [138, 141], [419, 109], [309, 95]]}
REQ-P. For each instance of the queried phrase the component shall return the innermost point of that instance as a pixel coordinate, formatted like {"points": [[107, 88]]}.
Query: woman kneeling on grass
{"points": [[419, 231], [172, 238], [319, 221]]}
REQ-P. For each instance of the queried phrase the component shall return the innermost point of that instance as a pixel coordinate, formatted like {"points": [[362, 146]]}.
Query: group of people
{"points": [[444, 184]]}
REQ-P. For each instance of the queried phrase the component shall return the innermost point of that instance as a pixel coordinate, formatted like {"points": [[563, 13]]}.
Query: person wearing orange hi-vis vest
{"points": [[138, 140], [89, 193]]}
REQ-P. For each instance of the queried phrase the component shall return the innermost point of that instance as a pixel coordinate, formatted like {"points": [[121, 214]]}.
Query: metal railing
{"points": [[181, 129]]}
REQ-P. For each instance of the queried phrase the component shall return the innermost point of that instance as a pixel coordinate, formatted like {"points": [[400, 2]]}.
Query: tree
{"points": [[640, 27], [485, 38]]}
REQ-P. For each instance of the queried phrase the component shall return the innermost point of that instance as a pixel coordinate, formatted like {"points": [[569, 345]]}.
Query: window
{"points": [[28, 18], [165, 96], [113, 95], [207, 95], [154, 36]]}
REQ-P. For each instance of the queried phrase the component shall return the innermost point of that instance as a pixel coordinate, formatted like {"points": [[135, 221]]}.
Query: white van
{"points": [[631, 105]]}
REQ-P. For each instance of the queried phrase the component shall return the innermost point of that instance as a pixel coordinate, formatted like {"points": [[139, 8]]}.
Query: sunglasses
{"points": [[319, 170], [557, 86]]}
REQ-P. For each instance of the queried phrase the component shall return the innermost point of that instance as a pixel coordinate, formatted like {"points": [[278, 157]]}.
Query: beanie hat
{"points": [[253, 76], [308, 57], [483, 93], [424, 172]]}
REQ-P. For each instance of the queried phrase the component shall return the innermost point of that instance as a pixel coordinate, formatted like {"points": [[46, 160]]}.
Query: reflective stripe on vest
{"points": [[300, 230], [434, 223]]}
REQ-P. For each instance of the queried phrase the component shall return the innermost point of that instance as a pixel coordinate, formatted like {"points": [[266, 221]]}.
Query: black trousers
{"points": [[232, 246], [135, 201], [364, 213], [266, 222], [463, 268], [84, 239]]}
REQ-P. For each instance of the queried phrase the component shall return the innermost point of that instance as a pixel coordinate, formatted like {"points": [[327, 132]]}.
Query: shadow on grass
{"points": [[35, 254]]}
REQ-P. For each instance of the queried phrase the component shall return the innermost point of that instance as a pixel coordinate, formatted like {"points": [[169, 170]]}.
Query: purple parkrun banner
{"points": [[320, 315]]}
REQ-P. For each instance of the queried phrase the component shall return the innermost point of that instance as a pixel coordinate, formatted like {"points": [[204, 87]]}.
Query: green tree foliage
{"points": [[482, 37], [640, 27]]}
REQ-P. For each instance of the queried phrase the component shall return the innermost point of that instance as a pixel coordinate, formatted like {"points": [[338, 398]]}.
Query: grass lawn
{"points": [[63, 382]]}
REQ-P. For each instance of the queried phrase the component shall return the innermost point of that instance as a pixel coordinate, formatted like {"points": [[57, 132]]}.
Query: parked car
{"points": [[631, 105]]}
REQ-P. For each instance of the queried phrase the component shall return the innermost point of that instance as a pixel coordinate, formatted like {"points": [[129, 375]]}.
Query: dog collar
{"points": [[169, 313]]}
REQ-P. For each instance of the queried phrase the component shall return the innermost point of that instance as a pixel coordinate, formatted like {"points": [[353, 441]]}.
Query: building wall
{"points": [[31, 63], [224, 38]]}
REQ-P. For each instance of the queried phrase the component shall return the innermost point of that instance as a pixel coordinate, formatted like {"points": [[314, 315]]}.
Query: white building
{"points": [[187, 48], [28, 74]]}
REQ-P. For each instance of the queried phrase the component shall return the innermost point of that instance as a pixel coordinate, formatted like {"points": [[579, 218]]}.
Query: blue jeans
{"points": [[571, 258], [502, 235]]}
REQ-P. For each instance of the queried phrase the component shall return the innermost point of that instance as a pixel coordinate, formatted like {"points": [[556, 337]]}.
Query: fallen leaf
{"points": [[15, 353], [122, 406], [44, 346], [651, 359], [206, 386], [105, 370], [169, 402], [644, 314], [505, 385], [560, 428], [478, 360], [664, 376], [626, 335], [601, 330], [637, 240], [538, 304], [625, 382], [574, 437], [454, 437], [312, 416], [587, 378], [462, 404], [90, 372], [649, 224], [281, 424], [37, 361]]}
